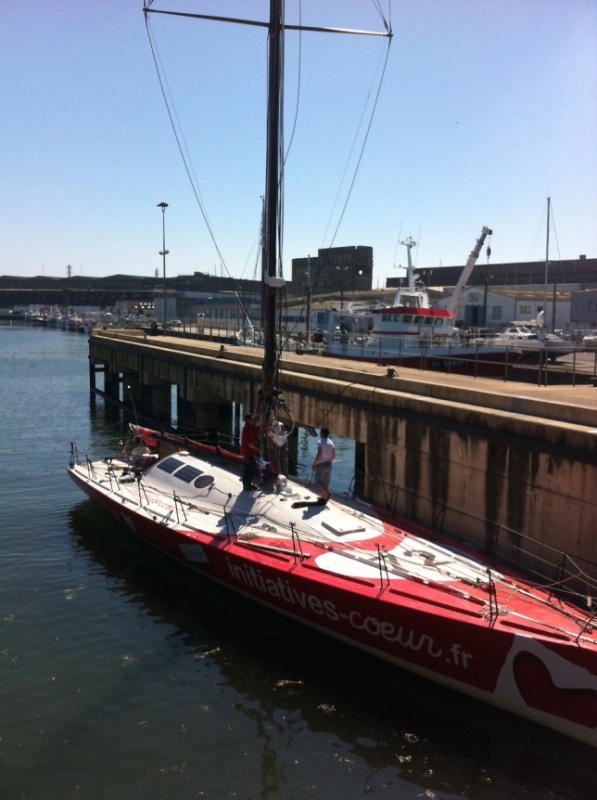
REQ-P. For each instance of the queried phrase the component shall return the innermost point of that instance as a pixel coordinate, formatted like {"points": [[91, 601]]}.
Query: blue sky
{"points": [[486, 108]]}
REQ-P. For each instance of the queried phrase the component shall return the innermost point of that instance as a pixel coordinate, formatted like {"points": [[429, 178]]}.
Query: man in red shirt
{"points": [[249, 450]]}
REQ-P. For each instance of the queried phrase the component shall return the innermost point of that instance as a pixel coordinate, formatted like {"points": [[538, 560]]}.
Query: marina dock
{"points": [[494, 459]]}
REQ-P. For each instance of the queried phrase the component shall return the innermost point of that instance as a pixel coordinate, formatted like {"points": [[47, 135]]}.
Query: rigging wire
{"points": [[555, 236], [386, 21], [359, 159], [298, 82], [352, 150], [364, 143], [179, 137], [187, 162], [284, 157]]}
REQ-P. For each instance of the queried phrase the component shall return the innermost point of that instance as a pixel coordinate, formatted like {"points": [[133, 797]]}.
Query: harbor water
{"points": [[124, 676]]}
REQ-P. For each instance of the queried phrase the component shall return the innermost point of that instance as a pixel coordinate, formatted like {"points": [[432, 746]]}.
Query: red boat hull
{"points": [[427, 631], [492, 365]]}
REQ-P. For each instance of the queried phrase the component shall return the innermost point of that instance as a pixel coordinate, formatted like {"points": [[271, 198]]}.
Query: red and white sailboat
{"points": [[384, 585]]}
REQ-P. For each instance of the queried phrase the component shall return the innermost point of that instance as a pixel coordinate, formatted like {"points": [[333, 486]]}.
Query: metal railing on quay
{"points": [[577, 367]]}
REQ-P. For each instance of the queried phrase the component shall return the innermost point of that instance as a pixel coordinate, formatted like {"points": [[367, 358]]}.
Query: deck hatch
{"points": [[342, 531], [169, 465]]}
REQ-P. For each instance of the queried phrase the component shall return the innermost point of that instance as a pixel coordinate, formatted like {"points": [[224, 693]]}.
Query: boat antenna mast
{"points": [[409, 243]]}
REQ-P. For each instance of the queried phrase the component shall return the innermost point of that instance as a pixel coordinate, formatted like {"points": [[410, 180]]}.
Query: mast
{"points": [[409, 244], [546, 256], [272, 235], [273, 189]]}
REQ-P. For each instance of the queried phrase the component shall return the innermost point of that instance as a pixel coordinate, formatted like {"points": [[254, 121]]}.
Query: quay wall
{"points": [[490, 460]]}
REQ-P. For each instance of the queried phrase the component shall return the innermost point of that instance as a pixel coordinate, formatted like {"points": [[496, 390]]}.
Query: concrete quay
{"points": [[493, 460]]}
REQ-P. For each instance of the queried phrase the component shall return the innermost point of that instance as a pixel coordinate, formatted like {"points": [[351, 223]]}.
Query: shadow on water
{"points": [[407, 731]]}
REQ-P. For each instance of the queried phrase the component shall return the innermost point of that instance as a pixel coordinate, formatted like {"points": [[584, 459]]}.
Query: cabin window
{"points": [[408, 318], [429, 321], [439, 321], [170, 464], [188, 473], [418, 320], [203, 481]]}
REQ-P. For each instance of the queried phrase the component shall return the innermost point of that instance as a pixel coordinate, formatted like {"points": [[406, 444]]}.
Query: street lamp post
{"points": [[164, 253]]}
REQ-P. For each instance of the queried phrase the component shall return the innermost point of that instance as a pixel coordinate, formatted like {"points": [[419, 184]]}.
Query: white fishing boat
{"points": [[412, 333], [381, 584]]}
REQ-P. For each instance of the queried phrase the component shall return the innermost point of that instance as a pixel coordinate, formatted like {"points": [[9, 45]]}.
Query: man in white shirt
{"points": [[322, 465]]}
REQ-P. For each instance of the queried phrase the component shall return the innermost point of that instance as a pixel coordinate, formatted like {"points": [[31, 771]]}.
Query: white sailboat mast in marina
{"points": [[547, 263]]}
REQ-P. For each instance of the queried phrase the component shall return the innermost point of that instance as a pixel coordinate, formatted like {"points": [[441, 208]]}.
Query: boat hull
{"points": [[533, 345], [435, 634], [489, 363]]}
